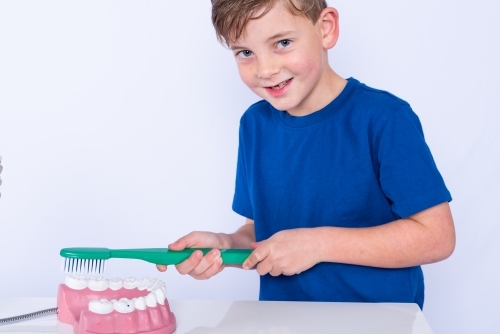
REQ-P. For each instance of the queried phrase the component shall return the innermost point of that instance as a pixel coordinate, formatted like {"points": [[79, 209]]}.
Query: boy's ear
{"points": [[328, 24]]}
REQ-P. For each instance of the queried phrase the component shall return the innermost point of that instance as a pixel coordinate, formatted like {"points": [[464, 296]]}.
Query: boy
{"points": [[342, 199]]}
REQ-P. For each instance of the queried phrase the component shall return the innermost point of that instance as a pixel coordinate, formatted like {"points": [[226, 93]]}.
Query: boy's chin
{"points": [[278, 104], [282, 106]]}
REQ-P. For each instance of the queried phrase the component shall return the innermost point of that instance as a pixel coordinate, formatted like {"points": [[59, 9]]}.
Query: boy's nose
{"points": [[266, 69]]}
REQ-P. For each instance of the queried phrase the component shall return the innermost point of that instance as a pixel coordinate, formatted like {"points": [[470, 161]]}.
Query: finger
{"points": [[289, 273], [187, 241], [161, 267], [213, 270], [207, 261], [188, 265], [264, 267], [275, 272], [259, 254]]}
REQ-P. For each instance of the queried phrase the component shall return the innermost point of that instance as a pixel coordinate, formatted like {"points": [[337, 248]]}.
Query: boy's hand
{"points": [[197, 265], [287, 252]]}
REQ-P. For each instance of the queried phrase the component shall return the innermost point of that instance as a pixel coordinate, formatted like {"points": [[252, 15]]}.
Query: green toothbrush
{"points": [[93, 260]]}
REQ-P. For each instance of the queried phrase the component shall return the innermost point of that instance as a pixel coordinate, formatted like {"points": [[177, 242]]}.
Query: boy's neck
{"points": [[328, 89]]}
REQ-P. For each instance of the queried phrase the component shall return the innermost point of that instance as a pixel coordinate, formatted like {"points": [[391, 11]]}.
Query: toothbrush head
{"points": [[84, 260]]}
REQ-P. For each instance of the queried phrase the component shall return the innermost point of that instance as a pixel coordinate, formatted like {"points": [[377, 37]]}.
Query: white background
{"points": [[119, 125]]}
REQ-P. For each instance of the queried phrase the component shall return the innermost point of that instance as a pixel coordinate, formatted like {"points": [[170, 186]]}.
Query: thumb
{"points": [[260, 252]]}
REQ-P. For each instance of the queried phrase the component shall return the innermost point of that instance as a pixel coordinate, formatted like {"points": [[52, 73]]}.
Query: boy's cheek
{"points": [[246, 75], [251, 81], [306, 64]]}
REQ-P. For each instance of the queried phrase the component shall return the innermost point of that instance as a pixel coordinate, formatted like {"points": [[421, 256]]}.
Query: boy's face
{"points": [[282, 59]]}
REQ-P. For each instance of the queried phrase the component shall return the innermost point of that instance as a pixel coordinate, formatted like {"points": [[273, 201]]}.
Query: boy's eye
{"points": [[284, 43], [244, 53]]}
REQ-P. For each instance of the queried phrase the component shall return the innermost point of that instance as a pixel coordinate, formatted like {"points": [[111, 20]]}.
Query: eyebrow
{"points": [[273, 37], [279, 35]]}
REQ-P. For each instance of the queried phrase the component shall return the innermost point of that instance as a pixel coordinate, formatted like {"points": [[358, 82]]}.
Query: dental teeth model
{"points": [[98, 306]]}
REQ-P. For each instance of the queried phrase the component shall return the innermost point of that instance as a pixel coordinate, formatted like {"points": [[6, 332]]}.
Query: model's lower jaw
{"points": [[123, 306]]}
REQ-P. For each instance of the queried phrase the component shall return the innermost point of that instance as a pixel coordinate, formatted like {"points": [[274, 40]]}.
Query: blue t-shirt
{"points": [[360, 161]]}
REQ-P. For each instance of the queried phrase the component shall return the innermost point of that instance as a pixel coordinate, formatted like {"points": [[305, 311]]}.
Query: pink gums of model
{"points": [[73, 309]]}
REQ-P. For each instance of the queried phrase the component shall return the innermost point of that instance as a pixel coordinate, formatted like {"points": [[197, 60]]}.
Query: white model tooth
{"points": [[140, 303], [125, 305], [151, 300], [102, 306], [130, 283], [158, 284], [143, 284], [115, 283], [76, 282], [97, 283], [152, 284], [160, 296]]}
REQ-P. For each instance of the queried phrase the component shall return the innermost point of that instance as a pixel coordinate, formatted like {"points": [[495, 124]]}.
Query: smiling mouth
{"points": [[280, 85]]}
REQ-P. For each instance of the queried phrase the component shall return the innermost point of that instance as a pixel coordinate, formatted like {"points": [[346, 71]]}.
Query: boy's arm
{"points": [[425, 237], [204, 267], [242, 238]]}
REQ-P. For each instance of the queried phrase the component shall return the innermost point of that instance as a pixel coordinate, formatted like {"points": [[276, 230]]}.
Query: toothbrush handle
{"points": [[166, 256], [229, 255]]}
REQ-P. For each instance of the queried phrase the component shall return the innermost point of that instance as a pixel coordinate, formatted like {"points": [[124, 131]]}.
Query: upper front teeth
{"points": [[159, 285], [281, 85], [98, 284], [76, 282], [130, 283], [152, 284], [143, 284], [115, 283]]}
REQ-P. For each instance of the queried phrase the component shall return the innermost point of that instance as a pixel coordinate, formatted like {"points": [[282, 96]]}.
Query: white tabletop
{"points": [[210, 317]]}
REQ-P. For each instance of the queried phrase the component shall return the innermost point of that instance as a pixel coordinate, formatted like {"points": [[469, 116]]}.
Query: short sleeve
{"points": [[409, 176], [241, 201]]}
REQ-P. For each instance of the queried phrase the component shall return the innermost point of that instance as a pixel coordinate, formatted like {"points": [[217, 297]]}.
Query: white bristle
{"points": [[83, 266]]}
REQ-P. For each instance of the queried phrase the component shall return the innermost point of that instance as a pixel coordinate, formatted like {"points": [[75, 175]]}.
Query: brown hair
{"points": [[230, 17]]}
